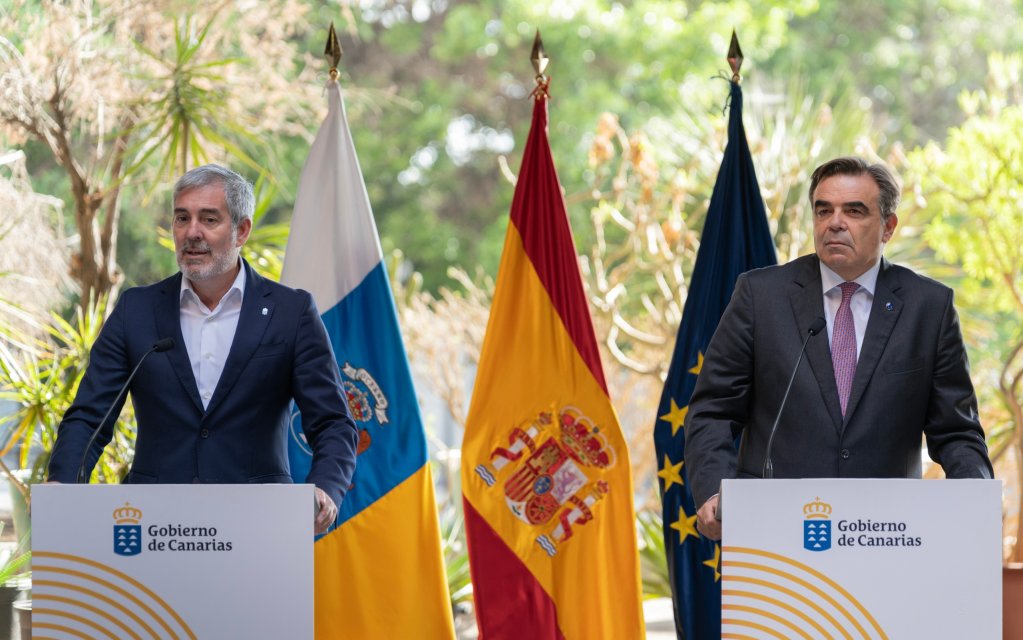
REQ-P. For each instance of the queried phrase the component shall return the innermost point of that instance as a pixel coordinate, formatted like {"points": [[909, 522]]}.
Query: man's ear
{"points": [[244, 229], [889, 227]]}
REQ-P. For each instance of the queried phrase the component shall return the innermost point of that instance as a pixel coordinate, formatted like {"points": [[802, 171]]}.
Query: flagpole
{"points": [[380, 573], [735, 238], [546, 479]]}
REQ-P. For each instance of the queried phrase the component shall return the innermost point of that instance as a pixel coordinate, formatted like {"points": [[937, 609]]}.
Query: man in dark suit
{"points": [[215, 408], [890, 370]]}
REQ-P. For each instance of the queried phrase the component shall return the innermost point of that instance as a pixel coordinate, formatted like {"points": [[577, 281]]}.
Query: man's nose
{"points": [[193, 230], [837, 220]]}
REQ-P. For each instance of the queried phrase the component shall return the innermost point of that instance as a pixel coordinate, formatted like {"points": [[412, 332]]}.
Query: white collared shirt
{"points": [[208, 334], [860, 303]]}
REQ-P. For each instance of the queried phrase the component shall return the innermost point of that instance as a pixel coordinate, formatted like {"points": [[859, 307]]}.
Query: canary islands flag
{"points": [[735, 238], [545, 471], [380, 573]]}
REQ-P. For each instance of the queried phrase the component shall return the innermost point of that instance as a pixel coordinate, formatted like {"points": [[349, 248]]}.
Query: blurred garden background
{"points": [[103, 103]]}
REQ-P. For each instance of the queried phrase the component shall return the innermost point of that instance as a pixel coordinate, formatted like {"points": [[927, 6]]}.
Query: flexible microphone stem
{"points": [[165, 344], [814, 329]]}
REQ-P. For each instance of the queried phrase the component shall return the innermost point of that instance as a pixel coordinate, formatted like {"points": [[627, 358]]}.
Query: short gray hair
{"points": [[241, 203], [891, 191]]}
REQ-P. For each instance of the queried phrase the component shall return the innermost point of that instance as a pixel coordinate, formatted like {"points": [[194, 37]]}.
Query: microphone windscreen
{"points": [[815, 327], [163, 344]]}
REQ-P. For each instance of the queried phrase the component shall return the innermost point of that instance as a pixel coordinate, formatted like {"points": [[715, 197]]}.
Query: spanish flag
{"points": [[546, 480]]}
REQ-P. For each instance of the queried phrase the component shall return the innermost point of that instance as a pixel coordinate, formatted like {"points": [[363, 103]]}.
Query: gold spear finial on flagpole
{"points": [[539, 57], [735, 58], [540, 60], [332, 51]]}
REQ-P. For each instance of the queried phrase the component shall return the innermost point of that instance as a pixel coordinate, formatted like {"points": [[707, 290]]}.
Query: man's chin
{"points": [[207, 270], [834, 257], [195, 273]]}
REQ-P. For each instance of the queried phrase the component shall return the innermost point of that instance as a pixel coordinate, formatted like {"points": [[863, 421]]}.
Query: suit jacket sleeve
{"points": [[326, 421], [107, 372], [955, 438], [719, 407]]}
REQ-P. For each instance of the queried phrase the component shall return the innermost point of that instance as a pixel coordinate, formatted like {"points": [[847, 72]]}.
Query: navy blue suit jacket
{"points": [[280, 351]]}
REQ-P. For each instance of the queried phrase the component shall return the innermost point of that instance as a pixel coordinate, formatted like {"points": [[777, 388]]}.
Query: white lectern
{"points": [[172, 561], [844, 558]]}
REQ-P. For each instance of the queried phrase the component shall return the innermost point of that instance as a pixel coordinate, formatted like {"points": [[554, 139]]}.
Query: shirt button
{"points": [[204, 433], [845, 454], [205, 395]]}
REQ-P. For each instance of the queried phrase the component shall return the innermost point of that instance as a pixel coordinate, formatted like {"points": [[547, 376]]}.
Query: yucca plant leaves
{"points": [[42, 380]]}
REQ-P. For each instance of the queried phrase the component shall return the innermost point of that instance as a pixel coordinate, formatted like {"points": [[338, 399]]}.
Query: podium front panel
{"points": [[843, 558], [172, 561]]}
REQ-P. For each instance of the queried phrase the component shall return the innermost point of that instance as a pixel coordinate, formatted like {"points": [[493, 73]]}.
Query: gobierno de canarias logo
{"points": [[127, 530], [817, 525]]}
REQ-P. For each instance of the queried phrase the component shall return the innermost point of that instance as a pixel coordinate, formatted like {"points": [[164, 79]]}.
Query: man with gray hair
{"points": [[234, 349], [890, 372]]}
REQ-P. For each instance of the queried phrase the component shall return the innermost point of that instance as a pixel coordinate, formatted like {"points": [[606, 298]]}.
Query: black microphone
{"points": [[164, 344], [815, 327]]}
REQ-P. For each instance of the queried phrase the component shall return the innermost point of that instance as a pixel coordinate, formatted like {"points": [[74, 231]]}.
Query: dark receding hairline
{"points": [[887, 184]]}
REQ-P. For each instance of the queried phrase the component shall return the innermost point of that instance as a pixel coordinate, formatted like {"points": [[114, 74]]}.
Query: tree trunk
{"points": [[1016, 555], [1010, 386], [94, 267]]}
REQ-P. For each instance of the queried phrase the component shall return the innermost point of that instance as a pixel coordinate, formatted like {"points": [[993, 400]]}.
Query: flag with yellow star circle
{"points": [[735, 238]]}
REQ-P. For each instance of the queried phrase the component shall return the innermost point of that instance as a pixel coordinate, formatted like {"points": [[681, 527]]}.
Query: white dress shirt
{"points": [[860, 303], [208, 334]]}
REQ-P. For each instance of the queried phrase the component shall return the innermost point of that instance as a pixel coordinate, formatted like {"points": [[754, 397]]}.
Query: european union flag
{"points": [[735, 239]]}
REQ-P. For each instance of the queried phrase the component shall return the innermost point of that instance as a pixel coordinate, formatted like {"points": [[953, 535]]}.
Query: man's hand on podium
{"points": [[326, 512], [707, 522]]}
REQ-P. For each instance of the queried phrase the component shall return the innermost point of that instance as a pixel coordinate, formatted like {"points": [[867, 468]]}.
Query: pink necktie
{"points": [[843, 345]]}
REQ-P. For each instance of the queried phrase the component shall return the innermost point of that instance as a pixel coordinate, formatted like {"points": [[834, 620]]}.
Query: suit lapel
{"points": [[807, 306], [257, 309], [884, 312], [168, 324]]}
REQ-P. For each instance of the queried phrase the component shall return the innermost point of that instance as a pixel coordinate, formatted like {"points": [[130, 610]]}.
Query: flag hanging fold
{"points": [[736, 238], [380, 573], [546, 478]]}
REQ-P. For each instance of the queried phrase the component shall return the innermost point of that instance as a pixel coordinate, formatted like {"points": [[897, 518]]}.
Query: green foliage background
{"points": [[437, 96]]}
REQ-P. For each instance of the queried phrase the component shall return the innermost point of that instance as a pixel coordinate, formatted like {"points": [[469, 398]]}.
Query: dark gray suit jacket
{"points": [[912, 380]]}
